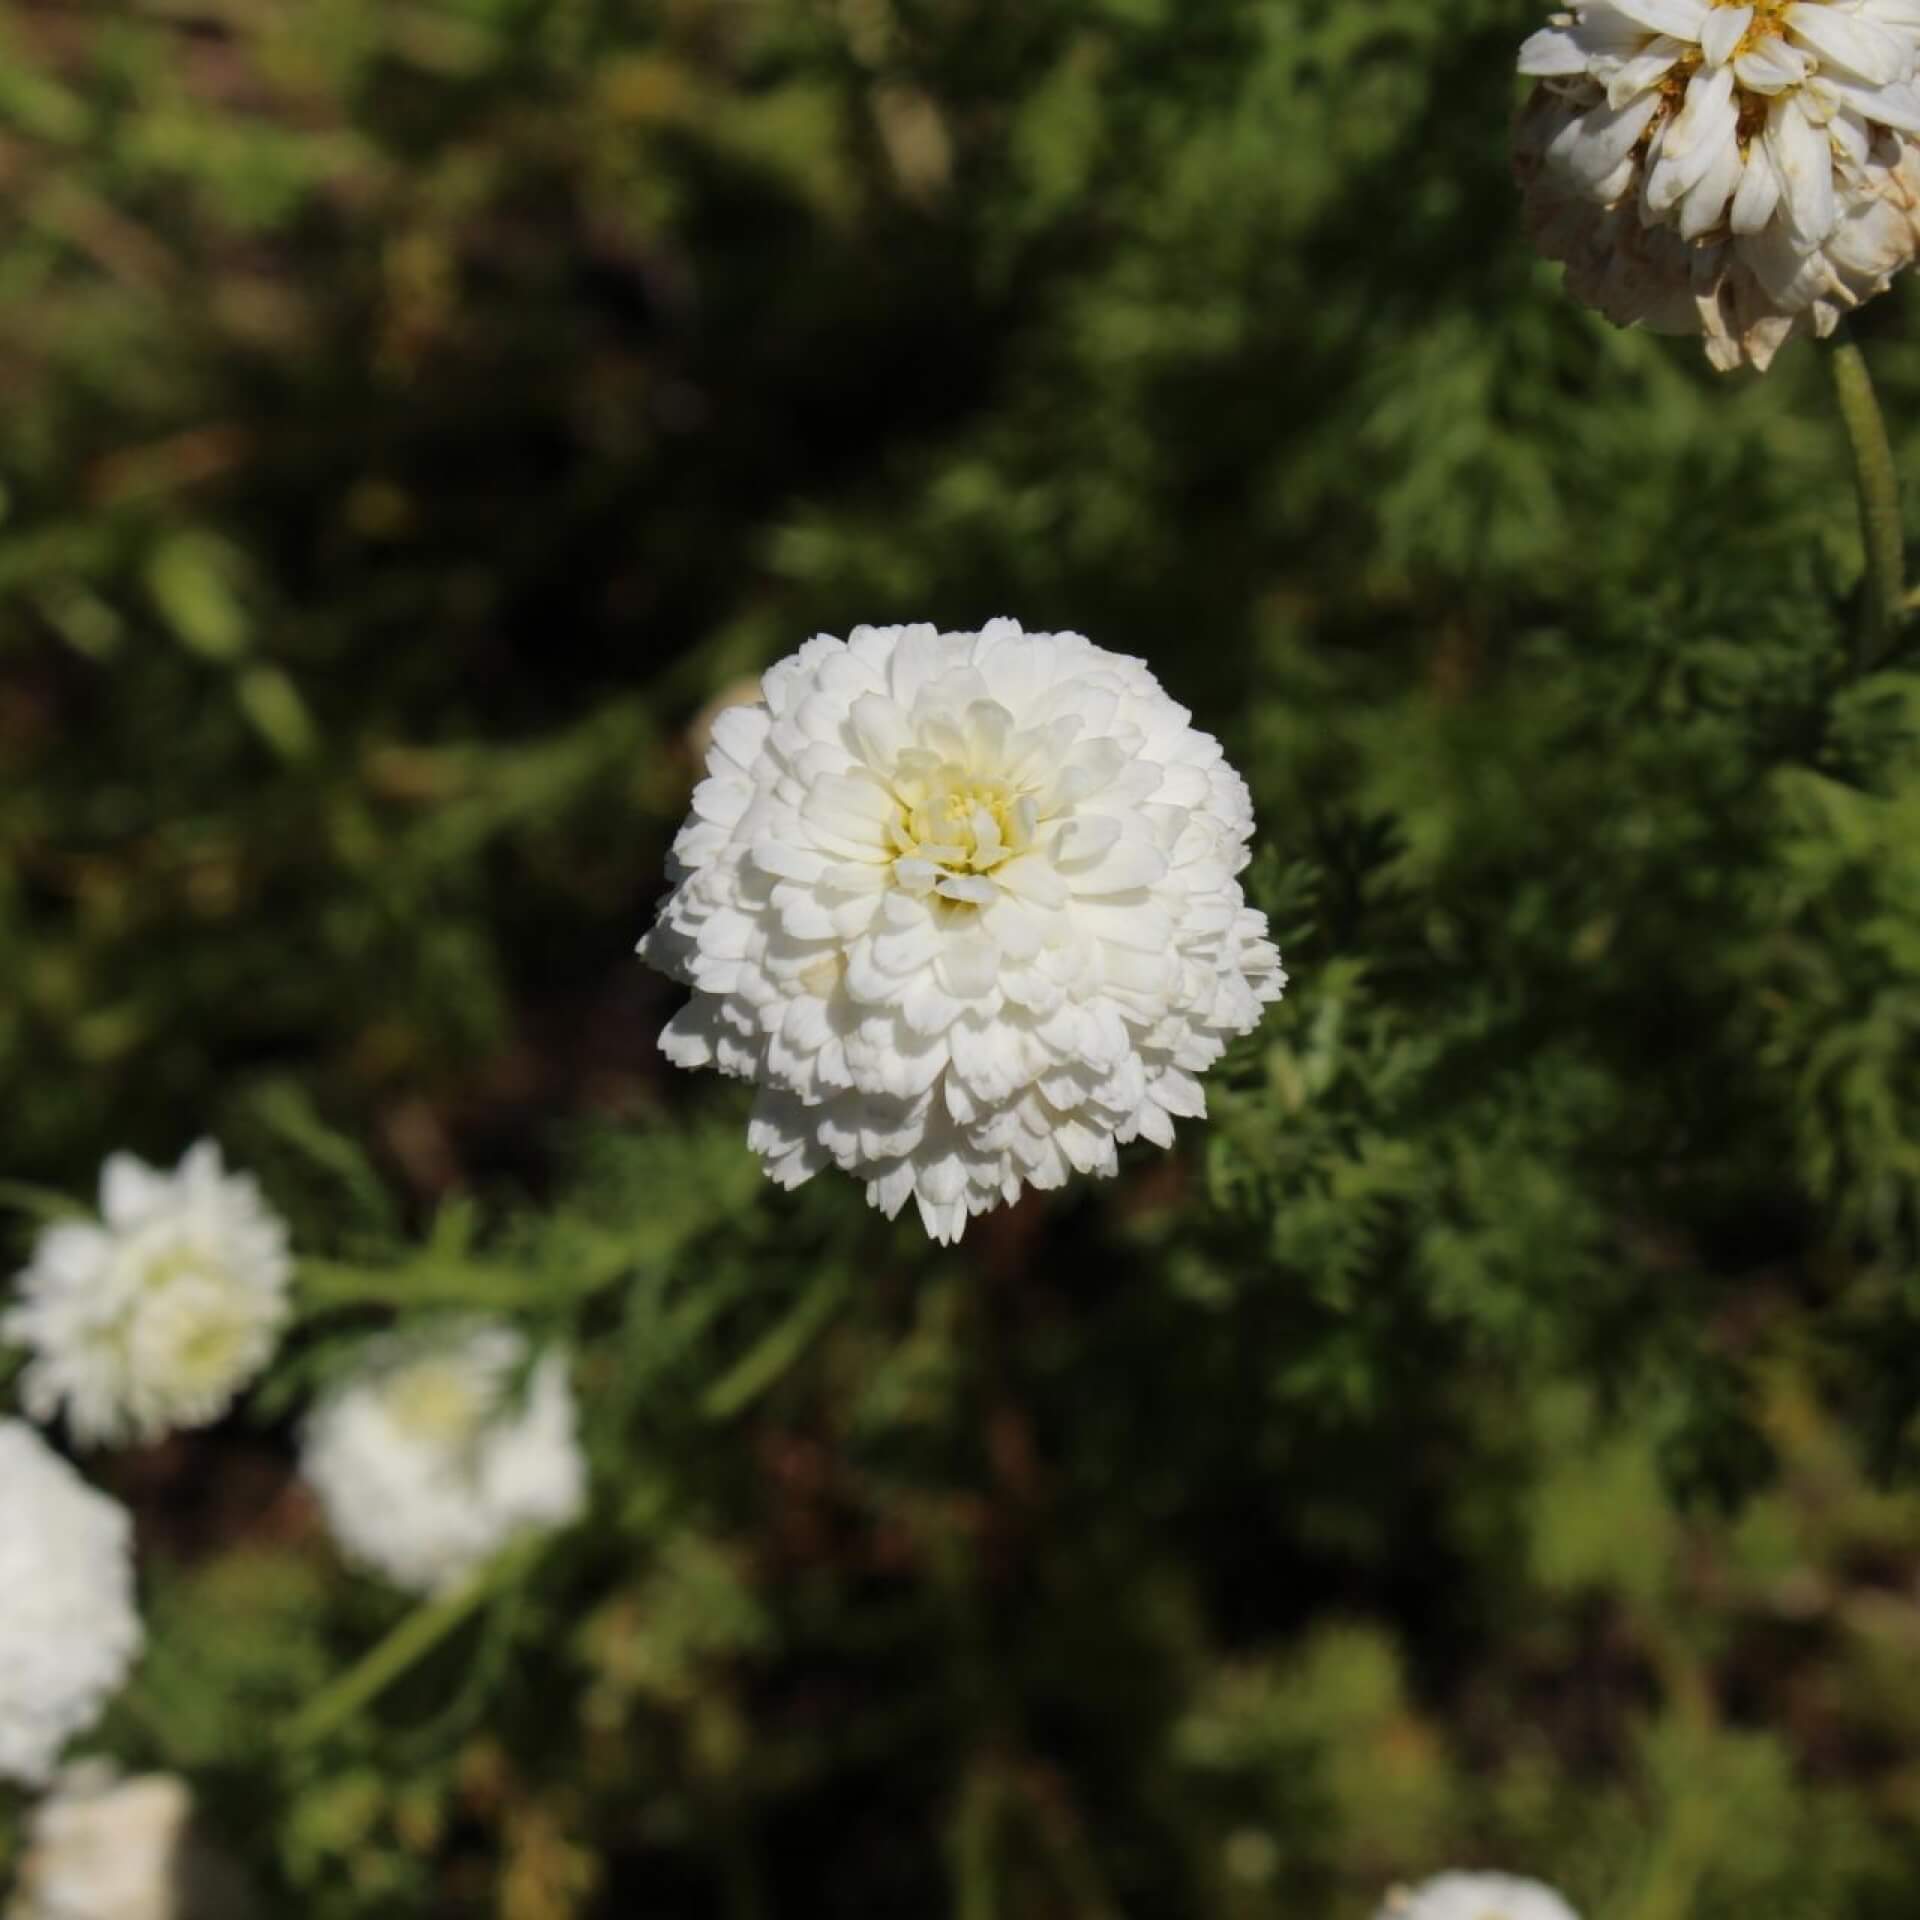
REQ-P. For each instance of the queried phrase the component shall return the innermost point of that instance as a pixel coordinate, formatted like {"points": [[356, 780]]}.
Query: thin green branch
{"points": [[1883, 594], [778, 1349], [453, 1278], [409, 1643], [1056, 1826], [973, 1846], [43, 1203]]}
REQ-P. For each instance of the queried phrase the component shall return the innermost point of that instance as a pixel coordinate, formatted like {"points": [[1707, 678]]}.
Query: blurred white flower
{"points": [[68, 1627], [965, 906], [103, 1848], [1743, 172], [441, 1449], [1477, 1896], [156, 1315]]}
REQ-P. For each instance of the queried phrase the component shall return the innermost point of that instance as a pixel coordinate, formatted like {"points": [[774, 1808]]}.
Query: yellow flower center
{"points": [[435, 1402], [959, 820], [210, 1352], [179, 1263], [1769, 22]]}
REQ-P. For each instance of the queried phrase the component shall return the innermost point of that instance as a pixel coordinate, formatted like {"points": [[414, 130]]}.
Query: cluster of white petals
{"points": [[965, 906], [1477, 1896], [1745, 172], [154, 1316], [69, 1629], [444, 1447], [100, 1847]]}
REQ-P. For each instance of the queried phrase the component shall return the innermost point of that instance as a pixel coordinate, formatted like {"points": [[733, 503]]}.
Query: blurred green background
{"points": [[1487, 1441]]}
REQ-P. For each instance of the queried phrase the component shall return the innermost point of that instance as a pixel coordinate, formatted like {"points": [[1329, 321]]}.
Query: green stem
{"points": [[778, 1349], [410, 1642], [1883, 595], [1076, 1870], [973, 1843], [42, 1202], [455, 1279], [1693, 1830]]}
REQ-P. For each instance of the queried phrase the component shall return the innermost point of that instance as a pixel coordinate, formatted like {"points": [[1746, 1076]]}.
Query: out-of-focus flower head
{"points": [[100, 1847], [155, 1315], [1476, 1896], [443, 1448], [69, 1629]]}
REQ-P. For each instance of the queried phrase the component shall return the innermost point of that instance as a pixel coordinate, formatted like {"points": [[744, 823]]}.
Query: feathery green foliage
{"points": [[1486, 1441]]}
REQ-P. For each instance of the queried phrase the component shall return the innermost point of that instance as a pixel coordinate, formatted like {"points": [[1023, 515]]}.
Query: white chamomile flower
{"points": [[1741, 171], [443, 1448], [100, 1847], [965, 906], [68, 1626], [154, 1316], [1476, 1896]]}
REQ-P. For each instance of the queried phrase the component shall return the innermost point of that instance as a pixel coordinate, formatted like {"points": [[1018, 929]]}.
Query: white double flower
{"points": [[1744, 172]]}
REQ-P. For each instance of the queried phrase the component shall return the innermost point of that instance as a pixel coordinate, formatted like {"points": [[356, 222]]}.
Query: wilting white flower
{"points": [[68, 1626], [442, 1449], [156, 1315], [1741, 171], [103, 1848], [1477, 1896], [965, 906]]}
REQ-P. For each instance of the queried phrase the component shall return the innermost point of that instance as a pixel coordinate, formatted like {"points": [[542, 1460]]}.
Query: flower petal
{"points": [[1804, 162]]}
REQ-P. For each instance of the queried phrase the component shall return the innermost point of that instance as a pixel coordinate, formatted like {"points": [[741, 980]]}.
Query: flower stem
{"points": [[411, 1641], [1883, 594], [778, 1350], [973, 1845], [43, 1203]]}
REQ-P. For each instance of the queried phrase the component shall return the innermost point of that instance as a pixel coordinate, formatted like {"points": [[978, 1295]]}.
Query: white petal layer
{"points": [[156, 1317], [100, 1847], [442, 1450], [68, 1628], [1477, 1896], [976, 921]]}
